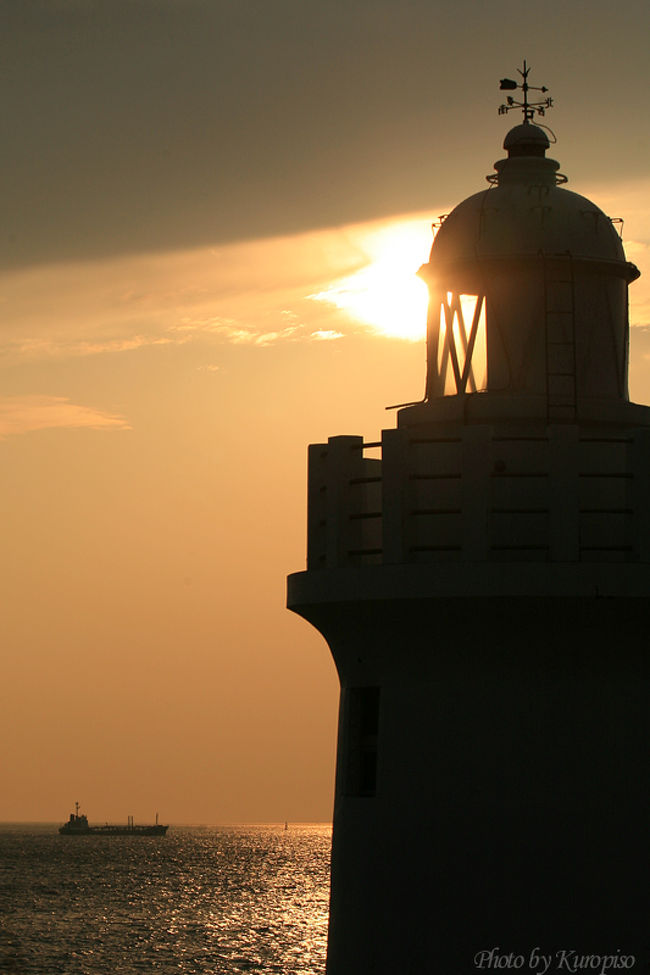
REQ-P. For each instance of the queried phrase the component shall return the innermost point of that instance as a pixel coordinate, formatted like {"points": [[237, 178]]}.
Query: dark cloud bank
{"points": [[136, 125]]}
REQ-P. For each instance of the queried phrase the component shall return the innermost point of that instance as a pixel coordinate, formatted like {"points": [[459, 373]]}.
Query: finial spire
{"points": [[530, 109]]}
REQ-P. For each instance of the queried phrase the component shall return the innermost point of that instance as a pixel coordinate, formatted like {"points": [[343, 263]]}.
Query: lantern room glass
{"points": [[458, 347]]}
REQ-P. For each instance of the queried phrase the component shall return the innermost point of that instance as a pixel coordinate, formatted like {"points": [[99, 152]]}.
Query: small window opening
{"points": [[362, 730]]}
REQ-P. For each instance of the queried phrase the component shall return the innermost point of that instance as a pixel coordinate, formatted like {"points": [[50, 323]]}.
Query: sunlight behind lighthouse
{"points": [[385, 293]]}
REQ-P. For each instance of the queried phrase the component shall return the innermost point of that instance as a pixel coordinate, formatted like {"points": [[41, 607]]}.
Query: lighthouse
{"points": [[484, 588]]}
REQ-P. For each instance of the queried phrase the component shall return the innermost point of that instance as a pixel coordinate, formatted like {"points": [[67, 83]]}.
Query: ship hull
{"points": [[155, 830]]}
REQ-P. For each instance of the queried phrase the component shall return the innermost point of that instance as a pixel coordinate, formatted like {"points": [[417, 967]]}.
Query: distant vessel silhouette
{"points": [[78, 825]]}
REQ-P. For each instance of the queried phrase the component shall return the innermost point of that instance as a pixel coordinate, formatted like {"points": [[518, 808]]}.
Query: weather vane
{"points": [[530, 109]]}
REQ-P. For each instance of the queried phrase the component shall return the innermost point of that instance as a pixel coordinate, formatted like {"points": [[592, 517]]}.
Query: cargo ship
{"points": [[78, 825]]}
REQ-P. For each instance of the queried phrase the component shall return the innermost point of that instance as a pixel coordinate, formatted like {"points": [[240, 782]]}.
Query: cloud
{"points": [[50, 348], [325, 335], [22, 414], [232, 331], [253, 293], [315, 286], [240, 334]]}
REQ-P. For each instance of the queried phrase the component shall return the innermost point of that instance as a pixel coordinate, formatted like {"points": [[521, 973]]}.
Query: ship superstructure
{"points": [[77, 825]]}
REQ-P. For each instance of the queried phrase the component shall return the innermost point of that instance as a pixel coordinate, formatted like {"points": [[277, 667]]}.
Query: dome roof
{"points": [[525, 213], [526, 140]]}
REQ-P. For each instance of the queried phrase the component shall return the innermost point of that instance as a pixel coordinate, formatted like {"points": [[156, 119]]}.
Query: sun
{"points": [[386, 294]]}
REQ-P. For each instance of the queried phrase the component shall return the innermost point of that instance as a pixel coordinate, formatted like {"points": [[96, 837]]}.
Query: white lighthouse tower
{"points": [[484, 588]]}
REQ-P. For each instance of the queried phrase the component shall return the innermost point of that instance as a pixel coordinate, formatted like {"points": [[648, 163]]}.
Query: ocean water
{"points": [[199, 900]]}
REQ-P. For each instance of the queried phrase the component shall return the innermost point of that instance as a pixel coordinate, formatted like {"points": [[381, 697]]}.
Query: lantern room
{"points": [[528, 310]]}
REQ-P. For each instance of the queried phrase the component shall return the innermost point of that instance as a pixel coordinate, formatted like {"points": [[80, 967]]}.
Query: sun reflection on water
{"points": [[214, 901]]}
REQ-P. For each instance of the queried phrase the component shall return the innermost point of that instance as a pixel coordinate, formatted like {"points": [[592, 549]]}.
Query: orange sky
{"points": [[154, 499], [159, 385]]}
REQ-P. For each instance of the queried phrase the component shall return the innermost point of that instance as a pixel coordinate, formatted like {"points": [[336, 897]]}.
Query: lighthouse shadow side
{"points": [[484, 588]]}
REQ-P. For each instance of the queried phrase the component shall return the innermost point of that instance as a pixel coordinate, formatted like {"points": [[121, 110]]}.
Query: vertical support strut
{"points": [[560, 338]]}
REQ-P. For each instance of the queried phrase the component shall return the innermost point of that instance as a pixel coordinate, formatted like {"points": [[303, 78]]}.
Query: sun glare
{"points": [[386, 294]]}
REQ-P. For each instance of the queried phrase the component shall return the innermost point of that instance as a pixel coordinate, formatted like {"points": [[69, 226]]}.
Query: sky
{"points": [[212, 217]]}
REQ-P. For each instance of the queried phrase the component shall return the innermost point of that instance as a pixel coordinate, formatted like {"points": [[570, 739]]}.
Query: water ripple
{"points": [[198, 902]]}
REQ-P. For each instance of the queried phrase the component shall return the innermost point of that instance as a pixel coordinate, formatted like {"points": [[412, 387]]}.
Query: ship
{"points": [[78, 825]]}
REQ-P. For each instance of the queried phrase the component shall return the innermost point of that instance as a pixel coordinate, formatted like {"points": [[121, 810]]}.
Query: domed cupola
{"points": [[528, 286]]}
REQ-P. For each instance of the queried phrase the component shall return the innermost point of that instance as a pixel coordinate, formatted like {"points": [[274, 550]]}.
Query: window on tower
{"points": [[362, 726], [457, 344]]}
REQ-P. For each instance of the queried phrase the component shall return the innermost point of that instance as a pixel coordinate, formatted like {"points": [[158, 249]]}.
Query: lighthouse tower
{"points": [[484, 588]]}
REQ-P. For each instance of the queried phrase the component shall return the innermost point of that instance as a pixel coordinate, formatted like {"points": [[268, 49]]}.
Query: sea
{"points": [[198, 901]]}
